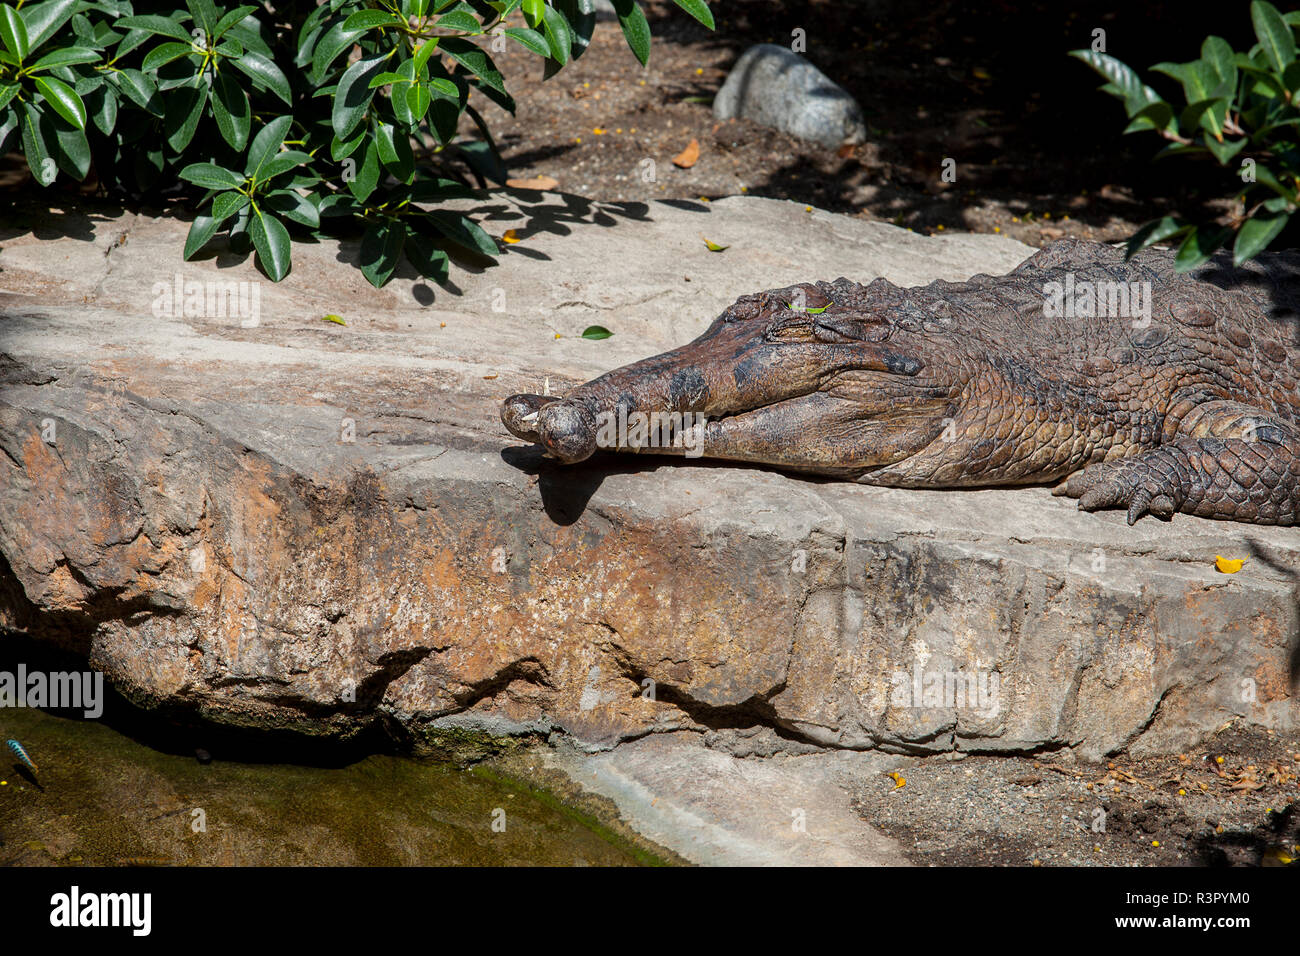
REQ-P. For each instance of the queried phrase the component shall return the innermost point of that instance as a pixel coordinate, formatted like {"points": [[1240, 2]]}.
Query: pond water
{"points": [[104, 798]]}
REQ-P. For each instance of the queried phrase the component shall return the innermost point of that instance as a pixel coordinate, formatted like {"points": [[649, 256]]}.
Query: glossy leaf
{"points": [[63, 99], [13, 32], [1256, 233], [353, 95], [635, 28], [698, 9], [271, 240], [231, 110]]}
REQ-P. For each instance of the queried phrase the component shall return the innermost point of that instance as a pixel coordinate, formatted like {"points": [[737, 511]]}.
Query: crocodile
{"points": [[1121, 382]]}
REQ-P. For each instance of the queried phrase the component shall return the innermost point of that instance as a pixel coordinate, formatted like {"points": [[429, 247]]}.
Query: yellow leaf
{"points": [[689, 156], [336, 319], [539, 183], [713, 246], [1228, 565], [511, 236]]}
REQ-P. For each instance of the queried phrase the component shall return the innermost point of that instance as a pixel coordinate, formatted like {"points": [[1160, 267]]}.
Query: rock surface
{"points": [[777, 87], [295, 523]]}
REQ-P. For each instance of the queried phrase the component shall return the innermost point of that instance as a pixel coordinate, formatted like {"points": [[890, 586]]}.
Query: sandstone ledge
{"points": [[258, 524]]}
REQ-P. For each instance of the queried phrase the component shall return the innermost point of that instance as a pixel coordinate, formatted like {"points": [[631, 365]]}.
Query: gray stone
{"points": [[258, 524], [777, 87]]}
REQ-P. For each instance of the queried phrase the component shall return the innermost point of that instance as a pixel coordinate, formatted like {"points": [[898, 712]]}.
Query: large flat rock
{"points": [[296, 523]]}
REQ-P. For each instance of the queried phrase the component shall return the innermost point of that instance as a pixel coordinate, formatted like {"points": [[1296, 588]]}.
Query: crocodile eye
{"points": [[792, 328]]}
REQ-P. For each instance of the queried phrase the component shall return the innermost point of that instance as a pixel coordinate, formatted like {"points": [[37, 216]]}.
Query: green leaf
{"points": [[230, 19], [342, 149], [581, 15], [271, 240], [336, 319], [13, 33], [1274, 35], [9, 122], [417, 103], [226, 204], [202, 229], [281, 163], [265, 145], [364, 20], [1291, 77], [1218, 53], [203, 13], [367, 173], [161, 26], [1210, 114], [1224, 151], [1199, 246], [558, 34], [353, 95], [1125, 82], [211, 176], [266, 74], [164, 54], [475, 60], [635, 28], [385, 79], [421, 58], [533, 10], [698, 9], [444, 88], [1153, 116], [140, 90], [394, 151], [38, 145], [183, 111], [7, 93], [293, 207], [461, 20], [464, 232], [596, 332], [67, 56], [1256, 233], [73, 152], [63, 99], [399, 96], [1158, 230], [43, 20], [381, 249], [231, 111], [330, 46], [529, 39]]}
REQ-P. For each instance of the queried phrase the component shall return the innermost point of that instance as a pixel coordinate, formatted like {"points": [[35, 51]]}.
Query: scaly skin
{"points": [[971, 385]]}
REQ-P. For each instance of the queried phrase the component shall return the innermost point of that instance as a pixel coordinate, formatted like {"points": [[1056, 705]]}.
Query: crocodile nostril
{"points": [[567, 430]]}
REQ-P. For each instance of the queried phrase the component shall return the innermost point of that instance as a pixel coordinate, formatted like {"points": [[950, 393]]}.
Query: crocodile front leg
{"points": [[1228, 461]]}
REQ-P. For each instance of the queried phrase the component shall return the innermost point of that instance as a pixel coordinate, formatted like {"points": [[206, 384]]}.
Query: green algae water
{"points": [[102, 798]]}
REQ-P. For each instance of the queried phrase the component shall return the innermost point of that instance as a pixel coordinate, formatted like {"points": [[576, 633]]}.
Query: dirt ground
{"points": [[1039, 152], [1231, 802]]}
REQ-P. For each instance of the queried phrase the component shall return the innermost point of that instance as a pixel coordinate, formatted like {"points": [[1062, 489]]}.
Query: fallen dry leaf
{"points": [[510, 236], [539, 183], [1228, 565], [689, 156]]}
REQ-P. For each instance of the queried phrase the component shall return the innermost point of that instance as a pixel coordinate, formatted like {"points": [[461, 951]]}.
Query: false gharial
{"points": [[1123, 383]]}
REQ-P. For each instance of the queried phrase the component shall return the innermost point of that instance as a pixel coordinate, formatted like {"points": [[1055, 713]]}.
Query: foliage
{"points": [[292, 119], [1240, 109]]}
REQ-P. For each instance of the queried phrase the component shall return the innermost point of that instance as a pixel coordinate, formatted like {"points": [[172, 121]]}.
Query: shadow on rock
{"points": [[1271, 560]]}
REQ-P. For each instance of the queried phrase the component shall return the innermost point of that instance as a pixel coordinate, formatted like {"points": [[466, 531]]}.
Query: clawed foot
{"points": [[1131, 483]]}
